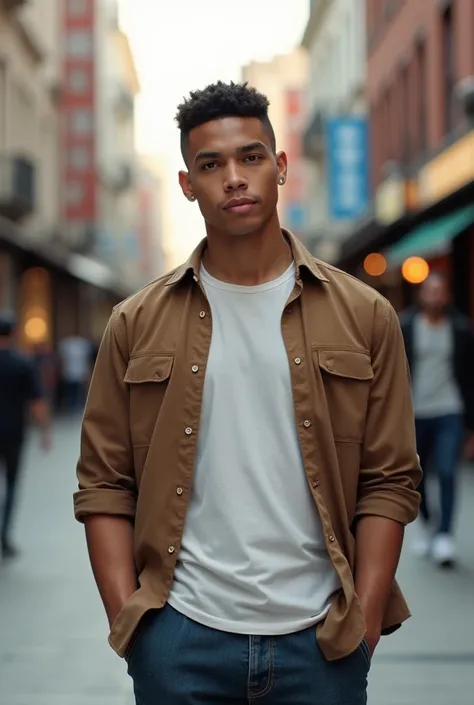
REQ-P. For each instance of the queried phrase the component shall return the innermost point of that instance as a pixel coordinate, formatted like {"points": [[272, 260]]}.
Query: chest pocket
{"points": [[347, 377], [148, 378]]}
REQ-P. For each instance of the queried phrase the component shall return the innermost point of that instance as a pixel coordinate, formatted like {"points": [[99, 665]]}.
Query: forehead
{"points": [[226, 135]]}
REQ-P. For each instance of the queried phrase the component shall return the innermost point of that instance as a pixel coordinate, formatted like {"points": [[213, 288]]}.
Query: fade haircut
{"points": [[220, 100]]}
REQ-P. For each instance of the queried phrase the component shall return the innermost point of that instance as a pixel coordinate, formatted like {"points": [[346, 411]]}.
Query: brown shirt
{"points": [[353, 410]]}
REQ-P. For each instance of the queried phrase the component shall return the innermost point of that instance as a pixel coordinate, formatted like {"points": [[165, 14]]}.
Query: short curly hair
{"points": [[220, 100]]}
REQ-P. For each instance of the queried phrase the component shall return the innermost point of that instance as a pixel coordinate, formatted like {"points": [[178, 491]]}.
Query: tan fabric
{"points": [[353, 409]]}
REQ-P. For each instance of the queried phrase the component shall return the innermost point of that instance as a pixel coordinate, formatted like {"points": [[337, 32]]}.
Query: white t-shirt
{"points": [[75, 356], [435, 390], [253, 557]]}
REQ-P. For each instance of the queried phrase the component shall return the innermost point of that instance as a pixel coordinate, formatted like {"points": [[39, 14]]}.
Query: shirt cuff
{"points": [[92, 501], [401, 508]]}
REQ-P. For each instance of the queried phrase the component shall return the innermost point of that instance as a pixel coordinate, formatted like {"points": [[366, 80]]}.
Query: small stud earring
{"points": [[281, 180], [191, 197]]}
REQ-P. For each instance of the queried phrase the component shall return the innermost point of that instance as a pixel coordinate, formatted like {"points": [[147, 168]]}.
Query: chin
{"points": [[243, 228]]}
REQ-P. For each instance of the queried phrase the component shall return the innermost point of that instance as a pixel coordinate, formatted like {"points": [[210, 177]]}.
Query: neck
{"points": [[248, 259], [434, 317]]}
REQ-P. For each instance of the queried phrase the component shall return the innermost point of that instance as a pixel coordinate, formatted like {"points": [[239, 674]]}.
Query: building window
{"points": [[79, 81], [78, 8], [80, 158], [449, 68], [79, 44], [405, 114], [420, 93], [74, 193], [81, 122]]}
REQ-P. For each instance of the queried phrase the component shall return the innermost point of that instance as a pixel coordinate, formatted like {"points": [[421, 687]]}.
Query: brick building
{"points": [[420, 94]]}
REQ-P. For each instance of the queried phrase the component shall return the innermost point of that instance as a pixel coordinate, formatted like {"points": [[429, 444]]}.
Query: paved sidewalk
{"points": [[53, 647], [53, 632], [430, 660]]}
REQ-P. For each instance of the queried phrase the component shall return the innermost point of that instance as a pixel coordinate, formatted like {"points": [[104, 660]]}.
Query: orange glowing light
{"points": [[415, 270], [375, 264]]}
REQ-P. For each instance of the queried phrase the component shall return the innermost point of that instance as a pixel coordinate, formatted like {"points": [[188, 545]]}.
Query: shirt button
{"points": [[179, 490], [332, 538], [195, 368], [202, 314], [307, 423], [171, 549], [297, 361], [188, 431]]}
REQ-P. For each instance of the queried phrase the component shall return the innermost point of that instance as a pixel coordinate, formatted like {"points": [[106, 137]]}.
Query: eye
{"points": [[209, 166], [253, 158]]}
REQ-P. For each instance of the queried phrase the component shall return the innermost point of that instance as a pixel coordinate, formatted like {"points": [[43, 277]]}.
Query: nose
{"points": [[234, 179]]}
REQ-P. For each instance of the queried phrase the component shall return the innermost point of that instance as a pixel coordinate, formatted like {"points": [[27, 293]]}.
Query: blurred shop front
{"points": [[420, 224], [54, 292]]}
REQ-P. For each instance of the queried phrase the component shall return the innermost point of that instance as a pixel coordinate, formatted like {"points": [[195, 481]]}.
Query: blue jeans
{"points": [[440, 442], [176, 661]]}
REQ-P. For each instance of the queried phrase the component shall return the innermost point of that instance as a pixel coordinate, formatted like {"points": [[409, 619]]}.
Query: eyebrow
{"points": [[245, 149]]}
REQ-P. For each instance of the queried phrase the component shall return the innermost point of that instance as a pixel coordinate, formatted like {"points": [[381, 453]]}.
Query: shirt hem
{"points": [[247, 628]]}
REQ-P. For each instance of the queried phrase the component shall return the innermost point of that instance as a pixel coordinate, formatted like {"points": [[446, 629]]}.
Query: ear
{"points": [[185, 183], [282, 166]]}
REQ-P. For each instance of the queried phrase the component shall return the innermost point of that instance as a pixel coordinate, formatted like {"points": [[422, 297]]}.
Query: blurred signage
{"points": [[449, 171], [292, 197], [78, 112], [393, 198], [295, 217], [390, 200], [347, 166]]}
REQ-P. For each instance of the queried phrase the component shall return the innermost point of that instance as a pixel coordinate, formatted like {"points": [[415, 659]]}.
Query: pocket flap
{"points": [[152, 368], [345, 363]]}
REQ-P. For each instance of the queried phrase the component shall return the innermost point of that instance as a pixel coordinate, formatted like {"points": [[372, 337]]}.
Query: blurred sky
{"points": [[180, 45]]}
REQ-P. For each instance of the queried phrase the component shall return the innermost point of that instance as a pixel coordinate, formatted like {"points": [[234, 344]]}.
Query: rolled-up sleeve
{"points": [[105, 469], [390, 469]]}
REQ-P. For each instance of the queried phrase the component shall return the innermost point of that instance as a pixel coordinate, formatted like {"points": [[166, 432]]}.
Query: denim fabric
{"points": [[175, 661], [440, 442]]}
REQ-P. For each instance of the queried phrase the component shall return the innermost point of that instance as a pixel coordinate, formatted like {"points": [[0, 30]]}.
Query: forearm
{"points": [[378, 547], [110, 544]]}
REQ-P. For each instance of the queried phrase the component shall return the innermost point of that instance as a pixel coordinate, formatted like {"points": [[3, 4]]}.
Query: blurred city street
{"points": [[53, 635], [53, 647]]}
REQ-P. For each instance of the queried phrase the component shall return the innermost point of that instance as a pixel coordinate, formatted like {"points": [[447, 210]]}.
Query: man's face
{"points": [[434, 295], [234, 174]]}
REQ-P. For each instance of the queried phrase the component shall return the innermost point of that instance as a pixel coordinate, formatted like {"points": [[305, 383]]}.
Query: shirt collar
{"points": [[302, 258]]}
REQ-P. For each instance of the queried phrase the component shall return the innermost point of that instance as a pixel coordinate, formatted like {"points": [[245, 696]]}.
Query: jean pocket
{"points": [[365, 651], [129, 651]]}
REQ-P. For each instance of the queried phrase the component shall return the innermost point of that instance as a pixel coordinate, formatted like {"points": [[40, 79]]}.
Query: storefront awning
{"points": [[432, 238]]}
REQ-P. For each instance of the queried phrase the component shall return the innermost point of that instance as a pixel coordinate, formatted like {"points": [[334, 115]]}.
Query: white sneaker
{"points": [[443, 551], [421, 544]]}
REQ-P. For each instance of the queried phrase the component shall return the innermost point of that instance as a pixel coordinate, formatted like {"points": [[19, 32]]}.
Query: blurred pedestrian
{"points": [[75, 355], [440, 351], [243, 482], [46, 365], [20, 394]]}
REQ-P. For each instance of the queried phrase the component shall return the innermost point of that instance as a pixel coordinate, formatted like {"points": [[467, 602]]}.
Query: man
{"points": [[243, 481], [440, 351], [20, 393]]}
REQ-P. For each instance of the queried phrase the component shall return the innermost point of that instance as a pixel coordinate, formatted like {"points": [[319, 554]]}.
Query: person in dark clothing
{"points": [[20, 394], [440, 351]]}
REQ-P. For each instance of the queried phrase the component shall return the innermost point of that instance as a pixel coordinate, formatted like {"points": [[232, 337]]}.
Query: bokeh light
{"points": [[375, 264], [415, 270]]}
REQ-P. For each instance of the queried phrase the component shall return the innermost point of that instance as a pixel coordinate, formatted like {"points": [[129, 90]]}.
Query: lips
{"points": [[239, 205]]}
